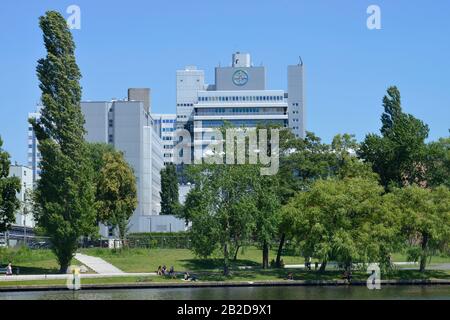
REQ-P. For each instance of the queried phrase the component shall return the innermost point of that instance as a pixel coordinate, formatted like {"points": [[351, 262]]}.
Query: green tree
{"points": [[437, 163], [267, 218], [97, 152], [221, 209], [9, 186], [65, 192], [425, 215], [116, 192], [346, 221], [169, 190], [398, 154], [309, 160]]}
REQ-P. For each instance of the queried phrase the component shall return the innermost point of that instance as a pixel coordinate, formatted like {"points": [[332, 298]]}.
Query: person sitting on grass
{"points": [[159, 271], [188, 277], [172, 272], [193, 278], [164, 270], [290, 276], [9, 270], [347, 275]]}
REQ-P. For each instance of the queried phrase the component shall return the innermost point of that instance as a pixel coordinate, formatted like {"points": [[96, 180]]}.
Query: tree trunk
{"points": [[265, 262], [236, 253], [423, 256], [64, 263], [280, 249], [323, 265], [226, 269]]}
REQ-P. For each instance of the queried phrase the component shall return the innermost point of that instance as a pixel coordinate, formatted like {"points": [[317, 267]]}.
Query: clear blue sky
{"points": [[137, 43]]}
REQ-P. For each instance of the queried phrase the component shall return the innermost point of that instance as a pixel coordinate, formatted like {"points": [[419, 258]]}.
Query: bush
{"points": [[172, 240]]}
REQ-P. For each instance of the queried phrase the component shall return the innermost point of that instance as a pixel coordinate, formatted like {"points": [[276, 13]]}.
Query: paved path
{"points": [[97, 264]]}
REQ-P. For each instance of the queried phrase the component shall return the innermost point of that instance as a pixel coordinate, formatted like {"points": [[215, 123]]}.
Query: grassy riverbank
{"points": [[148, 260], [237, 276], [31, 261]]}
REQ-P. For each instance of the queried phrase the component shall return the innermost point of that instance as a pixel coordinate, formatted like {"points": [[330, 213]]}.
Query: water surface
{"points": [[242, 293]]}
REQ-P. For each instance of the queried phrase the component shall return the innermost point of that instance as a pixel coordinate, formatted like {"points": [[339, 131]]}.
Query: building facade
{"points": [[33, 154], [239, 96], [165, 125], [129, 127], [24, 216]]}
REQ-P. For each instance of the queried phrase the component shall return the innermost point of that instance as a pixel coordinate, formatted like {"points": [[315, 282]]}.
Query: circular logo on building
{"points": [[240, 78]]}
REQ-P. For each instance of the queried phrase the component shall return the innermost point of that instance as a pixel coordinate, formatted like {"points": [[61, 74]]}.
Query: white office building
{"points": [[24, 216], [129, 127], [33, 154], [165, 125], [239, 96]]}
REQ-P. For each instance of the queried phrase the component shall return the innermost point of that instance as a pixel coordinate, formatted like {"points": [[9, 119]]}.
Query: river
{"points": [[241, 293]]}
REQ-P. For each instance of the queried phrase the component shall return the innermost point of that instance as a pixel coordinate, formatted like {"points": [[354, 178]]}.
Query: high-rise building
{"points": [[240, 97], [165, 124], [128, 126], [34, 156], [24, 216]]}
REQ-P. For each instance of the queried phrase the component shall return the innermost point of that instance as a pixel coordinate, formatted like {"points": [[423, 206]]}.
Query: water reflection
{"points": [[241, 293]]}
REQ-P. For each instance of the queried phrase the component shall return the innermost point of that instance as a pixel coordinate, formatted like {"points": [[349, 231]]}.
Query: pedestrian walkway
{"points": [[99, 265]]}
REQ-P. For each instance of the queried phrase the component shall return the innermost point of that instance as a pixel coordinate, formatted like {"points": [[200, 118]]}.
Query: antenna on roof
{"points": [[301, 61]]}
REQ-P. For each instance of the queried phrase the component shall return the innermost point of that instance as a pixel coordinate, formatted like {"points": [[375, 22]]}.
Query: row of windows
{"points": [[234, 110], [167, 138], [167, 155], [165, 121], [295, 112], [224, 111], [166, 146], [168, 129], [243, 123], [242, 98], [185, 104], [295, 104]]}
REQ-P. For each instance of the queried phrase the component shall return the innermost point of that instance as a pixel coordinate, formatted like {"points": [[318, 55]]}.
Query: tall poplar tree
{"points": [[399, 154], [65, 192]]}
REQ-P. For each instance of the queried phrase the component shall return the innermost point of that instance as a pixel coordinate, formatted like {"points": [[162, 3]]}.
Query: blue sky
{"points": [[137, 43]]}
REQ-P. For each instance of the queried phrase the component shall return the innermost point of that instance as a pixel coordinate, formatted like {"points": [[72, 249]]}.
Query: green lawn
{"points": [[29, 261], [401, 257], [148, 260], [253, 275]]}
